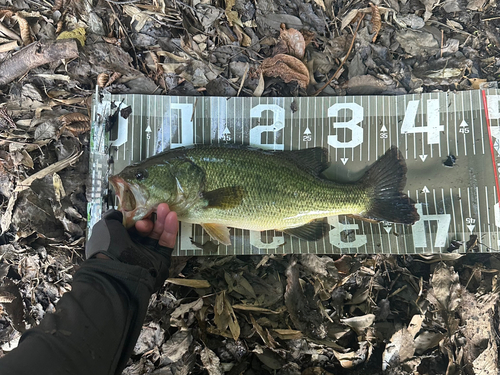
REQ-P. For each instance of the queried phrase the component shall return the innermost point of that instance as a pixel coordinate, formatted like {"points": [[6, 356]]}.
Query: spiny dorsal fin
{"points": [[218, 232], [313, 160], [225, 198], [313, 231]]}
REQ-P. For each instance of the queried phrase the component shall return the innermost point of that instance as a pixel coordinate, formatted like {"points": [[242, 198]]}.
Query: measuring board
{"points": [[458, 203]]}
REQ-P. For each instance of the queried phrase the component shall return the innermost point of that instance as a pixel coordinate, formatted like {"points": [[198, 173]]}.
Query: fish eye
{"points": [[141, 175]]}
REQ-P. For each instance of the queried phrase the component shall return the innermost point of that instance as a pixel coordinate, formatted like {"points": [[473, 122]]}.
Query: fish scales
{"points": [[278, 194], [248, 188]]}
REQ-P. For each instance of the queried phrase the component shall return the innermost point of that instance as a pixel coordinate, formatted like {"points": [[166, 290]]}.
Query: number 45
{"points": [[432, 128]]}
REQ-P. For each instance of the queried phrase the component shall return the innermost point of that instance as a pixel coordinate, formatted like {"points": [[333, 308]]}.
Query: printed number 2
{"points": [[432, 128], [352, 125]]}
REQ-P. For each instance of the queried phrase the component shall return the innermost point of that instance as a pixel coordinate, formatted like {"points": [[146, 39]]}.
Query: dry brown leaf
{"points": [[446, 288], [233, 18], [112, 40], [186, 307], [225, 316], [58, 4], [288, 334], [376, 21], [350, 17], [401, 348], [59, 191], [77, 128], [254, 309], [359, 323], [415, 324], [60, 25], [427, 340], [243, 38], [115, 76], [477, 82], [73, 117], [6, 13], [211, 362], [6, 119], [10, 46], [191, 283], [27, 161], [263, 333], [102, 79], [260, 87], [24, 29], [347, 360], [293, 42], [288, 68]]}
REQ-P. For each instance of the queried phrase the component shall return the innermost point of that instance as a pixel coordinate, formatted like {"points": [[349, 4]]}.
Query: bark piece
{"points": [[34, 55]]}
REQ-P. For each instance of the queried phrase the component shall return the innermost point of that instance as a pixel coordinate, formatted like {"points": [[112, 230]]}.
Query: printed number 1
{"points": [[433, 128]]}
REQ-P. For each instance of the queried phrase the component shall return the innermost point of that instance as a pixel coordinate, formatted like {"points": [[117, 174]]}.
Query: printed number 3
{"points": [[352, 125]]}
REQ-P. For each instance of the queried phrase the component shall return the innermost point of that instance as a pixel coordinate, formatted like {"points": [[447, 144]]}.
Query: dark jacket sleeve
{"points": [[94, 328]]}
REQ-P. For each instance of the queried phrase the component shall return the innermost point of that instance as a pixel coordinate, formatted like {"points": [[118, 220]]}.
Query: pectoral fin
{"points": [[313, 231], [218, 232], [225, 198]]}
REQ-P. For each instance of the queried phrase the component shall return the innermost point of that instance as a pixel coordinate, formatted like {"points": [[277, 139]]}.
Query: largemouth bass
{"points": [[248, 188]]}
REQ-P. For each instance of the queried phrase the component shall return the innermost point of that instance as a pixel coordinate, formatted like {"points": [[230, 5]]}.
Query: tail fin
{"points": [[385, 182]]}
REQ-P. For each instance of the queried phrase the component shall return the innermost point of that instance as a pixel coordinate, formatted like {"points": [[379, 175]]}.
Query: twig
{"points": [[243, 79], [35, 55], [344, 60], [442, 42], [123, 2]]}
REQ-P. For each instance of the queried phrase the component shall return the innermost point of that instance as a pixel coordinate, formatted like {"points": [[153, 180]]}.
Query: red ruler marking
{"points": [[492, 148]]}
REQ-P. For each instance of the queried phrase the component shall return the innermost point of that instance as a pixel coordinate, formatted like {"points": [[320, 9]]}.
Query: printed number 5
{"points": [[352, 125]]}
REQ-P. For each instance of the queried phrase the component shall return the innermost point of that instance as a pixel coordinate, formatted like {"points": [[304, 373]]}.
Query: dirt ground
{"points": [[305, 314]]}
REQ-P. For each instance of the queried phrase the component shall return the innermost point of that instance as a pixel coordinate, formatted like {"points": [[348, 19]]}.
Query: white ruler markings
{"points": [[470, 103], [467, 115]]}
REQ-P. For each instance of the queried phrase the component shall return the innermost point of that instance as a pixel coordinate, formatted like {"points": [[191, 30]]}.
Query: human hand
{"points": [[150, 247], [164, 229]]}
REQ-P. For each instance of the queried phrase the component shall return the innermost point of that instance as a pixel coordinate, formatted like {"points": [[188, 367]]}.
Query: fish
{"points": [[239, 186]]}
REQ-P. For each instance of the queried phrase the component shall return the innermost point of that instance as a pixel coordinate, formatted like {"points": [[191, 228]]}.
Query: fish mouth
{"points": [[132, 200]]}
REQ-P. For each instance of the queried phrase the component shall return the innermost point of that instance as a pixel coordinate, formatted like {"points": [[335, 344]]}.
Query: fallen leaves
{"points": [[225, 316], [376, 21], [191, 283], [288, 68], [24, 29], [291, 42], [79, 34]]}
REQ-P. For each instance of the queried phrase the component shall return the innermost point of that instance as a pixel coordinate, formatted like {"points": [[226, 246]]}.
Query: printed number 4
{"points": [[433, 128]]}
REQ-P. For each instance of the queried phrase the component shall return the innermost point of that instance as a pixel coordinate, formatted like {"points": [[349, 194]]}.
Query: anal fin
{"points": [[313, 231], [218, 232]]}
